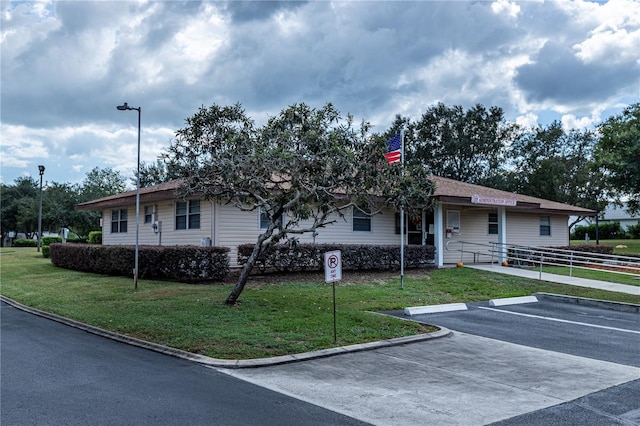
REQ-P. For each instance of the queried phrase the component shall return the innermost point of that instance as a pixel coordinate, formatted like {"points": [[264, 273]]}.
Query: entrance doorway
{"points": [[416, 228]]}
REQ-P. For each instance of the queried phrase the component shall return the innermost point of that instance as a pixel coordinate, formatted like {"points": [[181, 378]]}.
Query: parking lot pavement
{"points": [[457, 380]]}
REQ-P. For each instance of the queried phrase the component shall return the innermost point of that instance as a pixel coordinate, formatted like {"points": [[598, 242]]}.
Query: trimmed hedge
{"points": [[189, 264], [95, 237], [591, 248], [50, 240], [606, 231], [310, 257], [25, 242], [82, 240]]}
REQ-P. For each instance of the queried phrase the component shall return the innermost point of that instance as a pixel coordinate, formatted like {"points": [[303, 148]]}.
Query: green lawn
{"points": [[591, 274], [632, 246], [271, 319]]}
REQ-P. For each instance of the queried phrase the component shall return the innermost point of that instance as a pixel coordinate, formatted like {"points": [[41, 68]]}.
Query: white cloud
{"points": [[511, 9], [528, 120], [65, 65], [613, 46], [570, 121]]}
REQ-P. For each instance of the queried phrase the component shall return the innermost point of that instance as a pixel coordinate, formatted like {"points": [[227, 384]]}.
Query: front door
{"points": [[414, 228]]}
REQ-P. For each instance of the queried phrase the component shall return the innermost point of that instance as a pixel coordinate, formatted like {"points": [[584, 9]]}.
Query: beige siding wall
{"points": [[522, 229], [233, 227], [168, 236], [341, 232], [474, 227]]}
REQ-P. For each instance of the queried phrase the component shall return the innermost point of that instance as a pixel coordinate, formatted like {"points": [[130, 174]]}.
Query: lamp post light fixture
{"points": [[41, 171], [126, 107]]}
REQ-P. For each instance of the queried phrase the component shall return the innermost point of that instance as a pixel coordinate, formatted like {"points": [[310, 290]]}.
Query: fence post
{"points": [[541, 261], [571, 265], [494, 247]]}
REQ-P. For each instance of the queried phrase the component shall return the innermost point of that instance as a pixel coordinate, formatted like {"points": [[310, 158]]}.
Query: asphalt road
{"points": [[52, 374], [528, 365]]}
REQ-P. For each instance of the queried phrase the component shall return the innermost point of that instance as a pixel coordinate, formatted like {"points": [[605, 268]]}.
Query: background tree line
{"points": [[20, 203], [586, 168]]}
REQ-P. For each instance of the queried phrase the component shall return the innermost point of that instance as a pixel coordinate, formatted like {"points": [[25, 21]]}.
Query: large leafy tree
{"points": [[304, 168], [464, 145], [58, 210], [155, 173], [100, 183], [618, 155], [20, 203], [19, 207], [556, 164]]}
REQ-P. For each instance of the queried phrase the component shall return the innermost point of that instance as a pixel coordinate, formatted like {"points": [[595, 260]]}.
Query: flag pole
{"points": [[402, 212]]}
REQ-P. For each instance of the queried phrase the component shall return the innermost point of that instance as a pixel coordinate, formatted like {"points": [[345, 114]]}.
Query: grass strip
{"points": [[290, 316]]}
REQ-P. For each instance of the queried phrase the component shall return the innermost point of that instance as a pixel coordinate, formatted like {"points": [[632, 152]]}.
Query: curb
{"points": [[506, 301], [433, 309], [596, 303], [229, 363]]}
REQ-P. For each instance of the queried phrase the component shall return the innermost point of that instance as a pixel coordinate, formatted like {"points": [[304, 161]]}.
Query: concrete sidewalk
{"points": [[561, 279]]}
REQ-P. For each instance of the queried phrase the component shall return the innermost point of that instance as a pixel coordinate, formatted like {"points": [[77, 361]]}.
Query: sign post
{"points": [[333, 273]]}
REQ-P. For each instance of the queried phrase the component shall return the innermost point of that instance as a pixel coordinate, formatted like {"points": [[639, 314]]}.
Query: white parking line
{"points": [[561, 320]]}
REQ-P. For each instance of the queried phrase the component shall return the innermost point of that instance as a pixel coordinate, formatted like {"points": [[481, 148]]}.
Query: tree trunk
{"points": [[246, 271]]}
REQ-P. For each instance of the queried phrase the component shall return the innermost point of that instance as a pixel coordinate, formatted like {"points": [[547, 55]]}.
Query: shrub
{"points": [[25, 242], [50, 240], [591, 248], [177, 263], [310, 257], [45, 251], [606, 231], [95, 237], [634, 231], [549, 254], [81, 240]]}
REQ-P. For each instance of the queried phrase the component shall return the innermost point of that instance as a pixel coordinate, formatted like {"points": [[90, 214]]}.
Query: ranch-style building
{"points": [[464, 214]]}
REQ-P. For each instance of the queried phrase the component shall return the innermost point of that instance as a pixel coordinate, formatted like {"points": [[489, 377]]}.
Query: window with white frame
{"points": [[493, 224], [188, 214], [118, 221], [263, 218], [545, 225], [361, 220], [148, 214]]}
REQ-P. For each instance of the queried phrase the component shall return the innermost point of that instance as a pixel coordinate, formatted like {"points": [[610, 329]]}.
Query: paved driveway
{"points": [[549, 362], [457, 380]]}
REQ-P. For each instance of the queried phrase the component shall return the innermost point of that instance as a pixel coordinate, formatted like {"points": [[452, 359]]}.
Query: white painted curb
{"points": [[447, 307], [513, 301]]}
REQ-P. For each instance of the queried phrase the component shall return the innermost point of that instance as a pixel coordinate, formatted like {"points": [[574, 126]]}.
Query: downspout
{"points": [[502, 233], [438, 239], [423, 228], [213, 223]]}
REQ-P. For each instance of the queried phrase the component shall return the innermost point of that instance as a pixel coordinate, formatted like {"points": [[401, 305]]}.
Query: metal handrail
{"points": [[538, 256]]}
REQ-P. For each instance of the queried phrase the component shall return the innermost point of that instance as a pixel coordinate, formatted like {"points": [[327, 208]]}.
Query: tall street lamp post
{"points": [[126, 107], [41, 170]]}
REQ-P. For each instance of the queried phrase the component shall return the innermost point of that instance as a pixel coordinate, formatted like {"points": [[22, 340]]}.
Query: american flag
{"points": [[394, 154]]}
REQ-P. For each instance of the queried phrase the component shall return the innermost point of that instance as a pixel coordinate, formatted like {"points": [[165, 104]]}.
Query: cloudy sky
{"points": [[67, 64]]}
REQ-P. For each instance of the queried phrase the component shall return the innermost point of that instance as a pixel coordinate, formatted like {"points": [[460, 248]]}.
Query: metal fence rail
{"points": [[537, 257]]}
